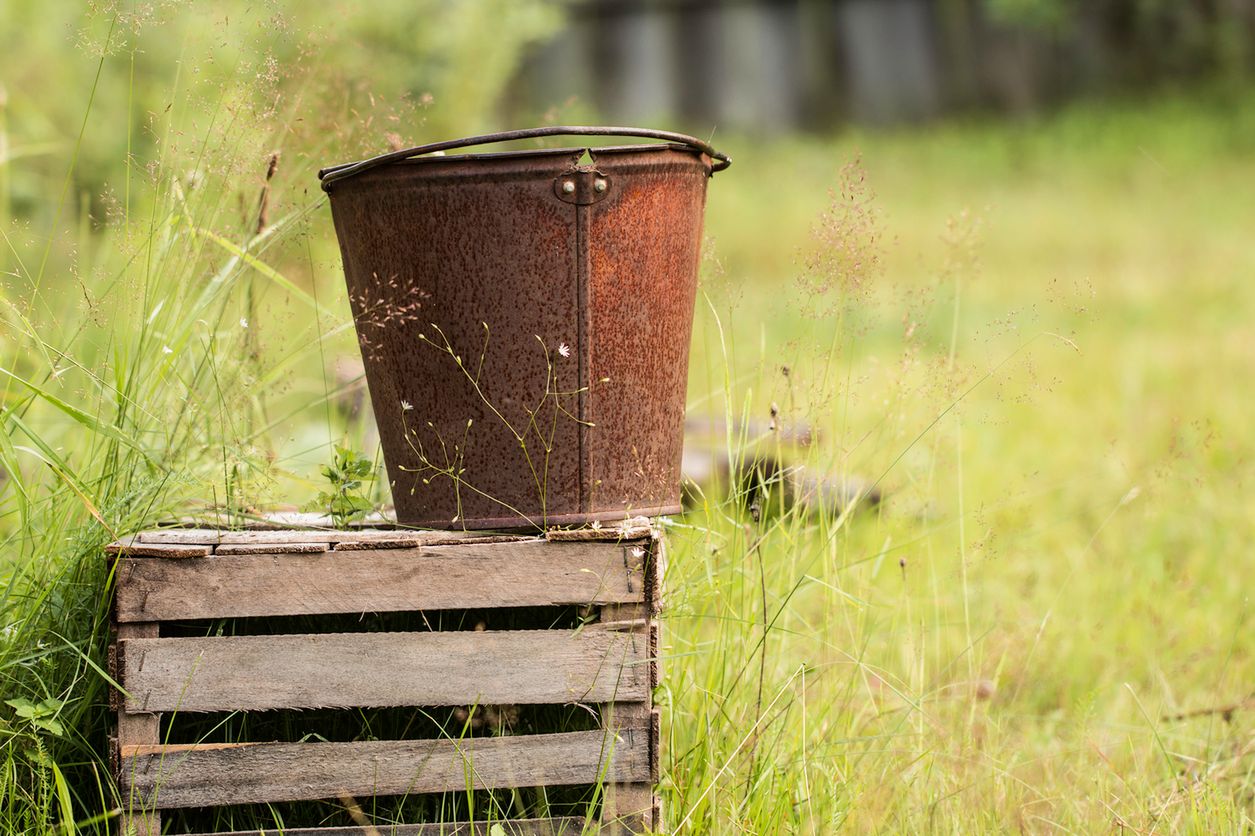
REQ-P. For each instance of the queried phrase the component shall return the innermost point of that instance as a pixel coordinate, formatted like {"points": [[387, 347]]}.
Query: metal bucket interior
{"points": [[524, 320]]}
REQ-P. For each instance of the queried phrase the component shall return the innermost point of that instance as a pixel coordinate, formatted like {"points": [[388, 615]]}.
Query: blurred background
{"points": [[775, 66]]}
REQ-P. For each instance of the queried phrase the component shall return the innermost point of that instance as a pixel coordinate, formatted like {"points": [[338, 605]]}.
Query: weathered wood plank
{"points": [[137, 818], [626, 801], [625, 612], [635, 528], [271, 548], [656, 570], [272, 772], [453, 538], [523, 574], [567, 826], [213, 536], [341, 670], [135, 548], [369, 545], [633, 798]]}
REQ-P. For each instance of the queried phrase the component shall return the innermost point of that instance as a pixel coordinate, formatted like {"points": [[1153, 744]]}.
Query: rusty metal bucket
{"points": [[524, 321]]}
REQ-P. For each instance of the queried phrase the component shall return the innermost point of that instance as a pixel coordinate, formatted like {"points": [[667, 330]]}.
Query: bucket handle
{"points": [[341, 172]]}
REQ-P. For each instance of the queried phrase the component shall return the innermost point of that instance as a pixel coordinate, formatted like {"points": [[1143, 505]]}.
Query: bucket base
{"points": [[515, 523]]}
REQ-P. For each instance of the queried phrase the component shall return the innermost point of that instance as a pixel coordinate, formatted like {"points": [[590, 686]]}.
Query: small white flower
{"points": [[406, 406], [564, 349], [243, 322], [165, 349]]}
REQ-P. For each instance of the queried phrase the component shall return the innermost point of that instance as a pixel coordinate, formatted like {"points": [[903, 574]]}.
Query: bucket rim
{"points": [[715, 160], [573, 152]]}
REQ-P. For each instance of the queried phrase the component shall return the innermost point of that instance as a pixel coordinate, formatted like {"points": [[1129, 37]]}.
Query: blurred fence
{"points": [[767, 65]]}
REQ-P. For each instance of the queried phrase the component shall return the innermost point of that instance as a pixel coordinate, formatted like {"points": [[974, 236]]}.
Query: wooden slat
{"points": [[528, 573], [137, 819], [635, 528], [566, 826], [393, 543], [134, 548], [656, 570], [271, 548], [344, 670], [631, 798], [273, 772], [213, 536]]}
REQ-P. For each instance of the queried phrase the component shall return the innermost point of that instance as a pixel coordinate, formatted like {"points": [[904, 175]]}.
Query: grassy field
{"points": [[1035, 337], [1045, 373]]}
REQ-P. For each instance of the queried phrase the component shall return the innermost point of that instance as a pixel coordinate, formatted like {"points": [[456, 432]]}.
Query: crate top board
{"points": [[172, 574]]}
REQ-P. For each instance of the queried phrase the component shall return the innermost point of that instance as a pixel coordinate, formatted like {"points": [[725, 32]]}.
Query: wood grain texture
{"points": [[133, 728], [473, 575], [135, 548], [272, 772], [636, 528], [395, 543], [655, 572], [213, 536], [144, 729], [271, 548], [633, 798], [343, 670], [135, 823], [568, 826]]}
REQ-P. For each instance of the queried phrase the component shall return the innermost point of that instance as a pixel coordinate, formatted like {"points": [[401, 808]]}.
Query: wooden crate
{"points": [[170, 577]]}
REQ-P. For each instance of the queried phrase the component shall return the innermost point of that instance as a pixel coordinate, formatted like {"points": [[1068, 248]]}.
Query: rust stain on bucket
{"points": [[525, 323]]}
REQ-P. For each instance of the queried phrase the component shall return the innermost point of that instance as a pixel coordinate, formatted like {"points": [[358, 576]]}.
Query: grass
{"points": [[1048, 387], [1033, 335]]}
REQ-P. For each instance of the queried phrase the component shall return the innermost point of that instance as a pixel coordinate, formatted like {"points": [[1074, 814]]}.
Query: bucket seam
{"points": [[584, 308]]}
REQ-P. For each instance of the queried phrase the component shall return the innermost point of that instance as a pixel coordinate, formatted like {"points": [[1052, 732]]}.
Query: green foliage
{"points": [[1171, 39], [41, 715], [1037, 14], [343, 503], [164, 344]]}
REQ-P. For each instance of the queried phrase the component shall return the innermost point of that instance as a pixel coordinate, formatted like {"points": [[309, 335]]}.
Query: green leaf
{"points": [[24, 707], [63, 799], [42, 715], [51, 725], [260, 266], [346, 474], [8, 458], [91, 422]]}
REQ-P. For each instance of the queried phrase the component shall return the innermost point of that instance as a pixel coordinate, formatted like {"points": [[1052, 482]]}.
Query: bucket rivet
{"points": [[568, 187], [599, 185]]}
